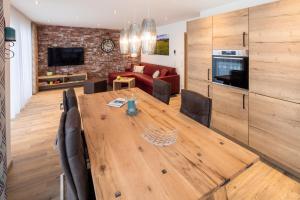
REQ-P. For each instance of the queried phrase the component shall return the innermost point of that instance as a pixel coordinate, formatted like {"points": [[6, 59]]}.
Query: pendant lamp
{"points": [[134, 39], [124, 41], [148, 36]]}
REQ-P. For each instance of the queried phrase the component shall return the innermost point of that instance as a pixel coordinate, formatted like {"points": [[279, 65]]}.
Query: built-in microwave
{"points": [[231, 67]]}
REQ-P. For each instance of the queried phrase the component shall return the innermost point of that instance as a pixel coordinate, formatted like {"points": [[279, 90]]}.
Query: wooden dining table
{"points": [[125, 165]]}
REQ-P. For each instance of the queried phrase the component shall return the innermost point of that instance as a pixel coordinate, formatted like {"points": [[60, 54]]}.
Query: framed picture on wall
{"points": [[162, 45]]}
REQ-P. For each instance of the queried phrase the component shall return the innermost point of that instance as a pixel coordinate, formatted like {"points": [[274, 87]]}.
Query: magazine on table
{"points": [[118, 103]]}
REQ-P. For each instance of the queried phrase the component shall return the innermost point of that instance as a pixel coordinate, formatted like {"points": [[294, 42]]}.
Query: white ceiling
{"points": [[112, 14]]}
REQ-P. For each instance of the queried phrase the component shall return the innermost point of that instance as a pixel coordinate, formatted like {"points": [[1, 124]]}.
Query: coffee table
{"points": [[117, 83]]}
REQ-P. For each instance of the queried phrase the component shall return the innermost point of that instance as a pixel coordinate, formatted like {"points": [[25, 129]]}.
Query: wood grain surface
{"points": [[122, 161]]}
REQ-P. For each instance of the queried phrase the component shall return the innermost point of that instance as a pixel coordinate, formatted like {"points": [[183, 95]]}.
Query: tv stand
{"points": [[61, 81]]}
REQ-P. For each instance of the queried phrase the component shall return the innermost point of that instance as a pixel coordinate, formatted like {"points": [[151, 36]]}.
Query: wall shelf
{"points": [[64, 81]]}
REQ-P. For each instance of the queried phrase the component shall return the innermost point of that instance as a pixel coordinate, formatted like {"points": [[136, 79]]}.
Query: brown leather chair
{"points": [[196, 106], [162, 90], [70, 145]]}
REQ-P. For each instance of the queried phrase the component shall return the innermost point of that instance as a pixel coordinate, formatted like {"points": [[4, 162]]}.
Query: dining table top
{"points": [[125, 165]]}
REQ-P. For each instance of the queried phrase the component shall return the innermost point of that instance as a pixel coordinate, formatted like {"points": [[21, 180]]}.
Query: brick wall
{"points": [[97, 62]]}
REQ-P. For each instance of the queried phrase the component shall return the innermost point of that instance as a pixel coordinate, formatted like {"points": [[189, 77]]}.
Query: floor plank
{"points": [[260, 182], [35, 171]]}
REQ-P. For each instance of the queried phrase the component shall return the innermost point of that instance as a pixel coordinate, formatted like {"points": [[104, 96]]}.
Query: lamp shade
{"points": [[148, 36], [134, 40], [124, 41], [10, 34]]}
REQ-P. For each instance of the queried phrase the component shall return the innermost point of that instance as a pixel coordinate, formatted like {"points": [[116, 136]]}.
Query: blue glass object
{"points": [[10, 34], [131, 110]]}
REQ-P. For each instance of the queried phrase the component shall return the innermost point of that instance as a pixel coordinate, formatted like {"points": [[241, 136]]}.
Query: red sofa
{"points": [[144, 80]]}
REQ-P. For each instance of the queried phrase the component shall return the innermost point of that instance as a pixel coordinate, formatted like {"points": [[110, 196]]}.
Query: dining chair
{"points": [[69, 99], [70, 144], [64, 161], [162, 90], [196, 106]]}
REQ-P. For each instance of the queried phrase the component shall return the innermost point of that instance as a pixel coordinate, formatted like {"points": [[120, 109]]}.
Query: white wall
{"points": [[176, 34]]}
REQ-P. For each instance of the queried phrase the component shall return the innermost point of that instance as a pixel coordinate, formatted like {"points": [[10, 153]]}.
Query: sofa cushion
{"points": [[150, 69], [138, 69], [147, 80], [163, 72], [156, 74], [171, 70], [115, 74]]}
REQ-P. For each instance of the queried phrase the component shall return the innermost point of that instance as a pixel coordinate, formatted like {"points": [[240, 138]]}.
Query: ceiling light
{"points": [[148, 36], [134, 40], [115, 12], [36, 2], [124, 42]]}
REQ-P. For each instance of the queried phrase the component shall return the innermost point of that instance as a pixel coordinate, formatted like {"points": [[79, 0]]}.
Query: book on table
{"points": [[119, 102]]}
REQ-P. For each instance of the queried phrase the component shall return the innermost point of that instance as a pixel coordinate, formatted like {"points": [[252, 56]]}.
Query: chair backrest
{"points": [[75, 153], [162, 90], [63, 157], [69, 99], [196, 106]]}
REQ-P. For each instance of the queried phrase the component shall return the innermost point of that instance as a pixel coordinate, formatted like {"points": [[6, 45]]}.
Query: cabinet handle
{"points": [[208, 73], [208, 88], [244, 40], [244, 101]]}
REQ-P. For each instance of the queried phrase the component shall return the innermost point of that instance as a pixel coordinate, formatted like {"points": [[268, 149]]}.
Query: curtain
{"points": [[21, 64], [3, 170]]}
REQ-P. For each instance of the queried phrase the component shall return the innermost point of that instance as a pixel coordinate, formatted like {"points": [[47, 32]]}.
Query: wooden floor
{"points": [[35, 170]]}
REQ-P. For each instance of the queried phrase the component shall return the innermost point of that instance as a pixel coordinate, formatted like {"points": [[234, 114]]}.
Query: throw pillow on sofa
{"points": [[156, 74], [138, 69], [163, 72]]}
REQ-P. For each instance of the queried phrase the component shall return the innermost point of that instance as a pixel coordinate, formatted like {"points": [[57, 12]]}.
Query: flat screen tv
{"points": [[65, 56]]}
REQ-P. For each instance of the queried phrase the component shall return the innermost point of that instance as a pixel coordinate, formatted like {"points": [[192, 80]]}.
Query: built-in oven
{"points": [[231, 67]]}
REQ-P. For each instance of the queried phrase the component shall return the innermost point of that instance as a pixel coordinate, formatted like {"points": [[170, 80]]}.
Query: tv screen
{"points": [[65, 56]]}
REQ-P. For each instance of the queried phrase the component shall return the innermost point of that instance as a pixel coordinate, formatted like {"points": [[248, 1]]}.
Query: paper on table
{"points": [[119, 102]]}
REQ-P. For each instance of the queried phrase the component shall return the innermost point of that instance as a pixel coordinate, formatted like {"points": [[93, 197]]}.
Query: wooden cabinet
{"points": [[274, 130], [230, 30], [230, 112], [199, 37], [275, 49], [202, 87]]}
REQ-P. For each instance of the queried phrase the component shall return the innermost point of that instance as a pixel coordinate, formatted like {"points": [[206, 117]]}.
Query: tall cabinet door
{"points": [[230, 30], [202, 87], [230, 112], [274, 83], [275, 130], [199, 36], [275, 49]]}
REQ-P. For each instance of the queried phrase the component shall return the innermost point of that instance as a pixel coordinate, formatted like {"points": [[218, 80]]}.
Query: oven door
{"points": [[231, 71]]}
